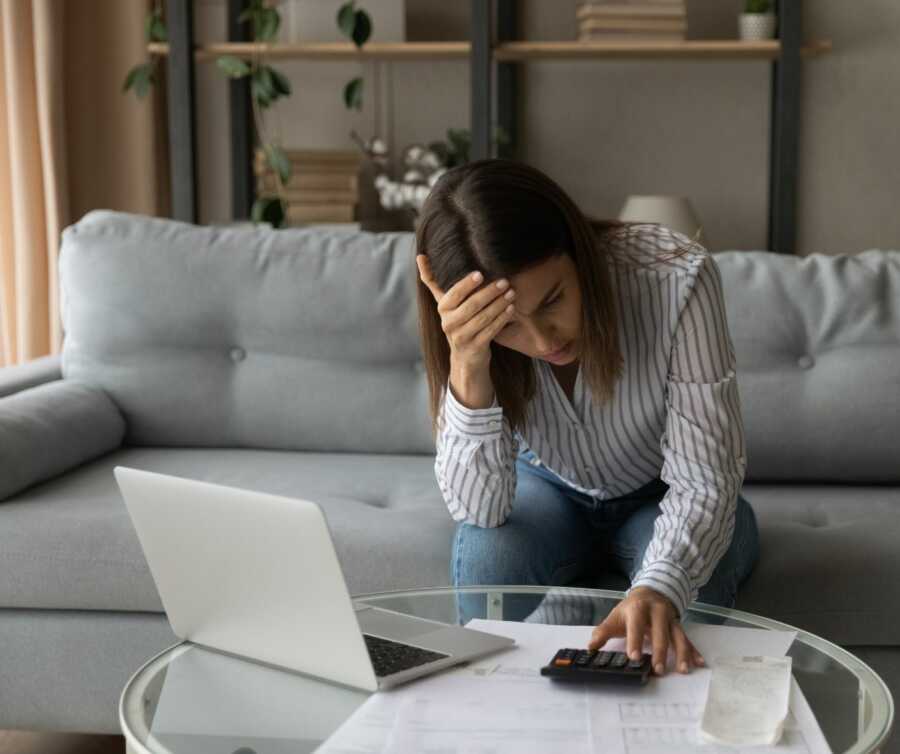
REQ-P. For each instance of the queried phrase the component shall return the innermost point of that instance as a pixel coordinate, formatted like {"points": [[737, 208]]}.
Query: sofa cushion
{"points": [[817, 341], [69, 543], [828, 552], [16, 377], [300, 339], [51, 428], [828, 560]]}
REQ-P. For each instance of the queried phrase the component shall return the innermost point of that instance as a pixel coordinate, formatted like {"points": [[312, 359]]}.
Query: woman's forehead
{"points": [[542, 276]]}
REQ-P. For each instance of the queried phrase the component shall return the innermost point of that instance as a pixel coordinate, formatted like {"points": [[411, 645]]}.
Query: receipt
{"points": [[747, 700]]}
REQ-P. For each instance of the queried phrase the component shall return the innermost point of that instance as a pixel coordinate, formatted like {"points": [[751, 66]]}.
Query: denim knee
{"points": [[496, 555]]}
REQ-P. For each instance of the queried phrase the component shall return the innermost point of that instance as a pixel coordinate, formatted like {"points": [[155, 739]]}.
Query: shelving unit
{"points": [[493, 41], [506, 51]]}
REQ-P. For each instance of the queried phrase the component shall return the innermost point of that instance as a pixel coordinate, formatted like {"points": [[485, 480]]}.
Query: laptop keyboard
{"points": [[391, 656]]}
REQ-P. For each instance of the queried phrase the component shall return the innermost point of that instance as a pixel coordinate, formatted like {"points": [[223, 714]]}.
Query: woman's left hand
{"points": [[644, 611]]}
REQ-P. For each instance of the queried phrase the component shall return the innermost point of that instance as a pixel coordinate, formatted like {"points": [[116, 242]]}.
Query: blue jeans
{"points": [[556, 535]]}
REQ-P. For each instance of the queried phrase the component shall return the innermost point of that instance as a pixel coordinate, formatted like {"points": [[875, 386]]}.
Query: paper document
{"points": [[502, 705], [747, 700]]}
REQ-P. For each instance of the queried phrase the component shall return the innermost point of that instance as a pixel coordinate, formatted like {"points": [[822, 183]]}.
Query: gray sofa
{"points": [[288, 361]]}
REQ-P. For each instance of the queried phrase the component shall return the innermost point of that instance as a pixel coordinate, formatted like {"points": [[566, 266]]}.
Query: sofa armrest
{"points": [[36, 372], [54, 427]]}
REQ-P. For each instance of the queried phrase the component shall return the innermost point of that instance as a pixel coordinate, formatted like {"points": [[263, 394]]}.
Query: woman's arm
{"points": [[475, 464], [703, 448]]}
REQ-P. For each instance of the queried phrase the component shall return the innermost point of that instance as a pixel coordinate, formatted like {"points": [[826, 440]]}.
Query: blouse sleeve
{"points": [[703, 448], [475, 462]]}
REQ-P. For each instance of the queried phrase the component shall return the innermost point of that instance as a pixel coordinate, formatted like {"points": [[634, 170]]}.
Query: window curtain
{"points": [[70, 141]]}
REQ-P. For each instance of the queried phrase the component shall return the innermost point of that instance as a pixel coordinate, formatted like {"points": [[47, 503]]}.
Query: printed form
{"points": [[502, 705]]}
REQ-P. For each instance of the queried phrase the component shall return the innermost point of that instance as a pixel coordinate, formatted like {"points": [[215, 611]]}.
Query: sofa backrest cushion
{"points": [[817, 341], [300, 339], [306, 339]]}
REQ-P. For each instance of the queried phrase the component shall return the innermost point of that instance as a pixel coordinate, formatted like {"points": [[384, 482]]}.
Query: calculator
{"points": [[597, 665]]}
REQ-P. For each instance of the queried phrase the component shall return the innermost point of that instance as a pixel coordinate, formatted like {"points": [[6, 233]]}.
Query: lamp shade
{"points": [[675, 212]]}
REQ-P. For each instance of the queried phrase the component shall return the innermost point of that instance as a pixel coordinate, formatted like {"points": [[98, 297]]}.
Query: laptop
{"points": [[256, 575]]}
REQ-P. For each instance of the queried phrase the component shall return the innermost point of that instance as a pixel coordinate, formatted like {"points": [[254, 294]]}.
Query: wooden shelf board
{"points": [[329, 50], [690, 48], [506, 51]]}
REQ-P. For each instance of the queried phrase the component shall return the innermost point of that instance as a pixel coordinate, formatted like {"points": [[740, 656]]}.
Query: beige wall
{"points": [[606, 129]]}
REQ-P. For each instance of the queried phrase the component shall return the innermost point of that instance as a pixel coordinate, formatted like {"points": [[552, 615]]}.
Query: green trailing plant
{"points": [[144, 75], [357, 26], [455, 151], [758, 6], [267, 86]]}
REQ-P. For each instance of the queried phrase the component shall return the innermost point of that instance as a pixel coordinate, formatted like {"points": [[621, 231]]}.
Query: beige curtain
{"points": [[70, 141]]}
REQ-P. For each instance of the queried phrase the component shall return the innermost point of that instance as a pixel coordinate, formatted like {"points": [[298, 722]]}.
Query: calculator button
{"points": [[562, 662], [619, 660], [583, 658], [602, 659], [636, 664]]}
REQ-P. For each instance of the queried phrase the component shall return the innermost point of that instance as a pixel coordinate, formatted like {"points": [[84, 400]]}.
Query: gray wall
{"points": [[606, 129]]}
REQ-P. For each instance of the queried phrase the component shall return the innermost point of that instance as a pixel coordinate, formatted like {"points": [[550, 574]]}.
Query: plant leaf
{"points": [[279, 162], [459, 137], [346, 19], [362, 29], [460, 142], [269, 23], [158, 31], [268, 209], [757, 6], [139, 78], [129, 79], [154, 28], [233, 66], [353, 93], [142, 82], [280, 82], [260, 94], [262, 86]]}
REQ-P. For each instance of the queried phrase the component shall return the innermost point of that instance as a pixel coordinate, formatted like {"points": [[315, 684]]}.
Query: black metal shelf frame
{"points": [[490, 19]]}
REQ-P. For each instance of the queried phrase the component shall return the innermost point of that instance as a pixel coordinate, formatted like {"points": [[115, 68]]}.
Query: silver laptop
{"points": [[256, 575]]}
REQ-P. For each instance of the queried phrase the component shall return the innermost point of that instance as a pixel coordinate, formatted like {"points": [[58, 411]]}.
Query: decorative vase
{"points": [[755, 26]]}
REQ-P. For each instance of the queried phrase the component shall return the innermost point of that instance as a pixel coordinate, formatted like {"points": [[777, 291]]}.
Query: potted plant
{"points": [[266, 86], [757, 21]]}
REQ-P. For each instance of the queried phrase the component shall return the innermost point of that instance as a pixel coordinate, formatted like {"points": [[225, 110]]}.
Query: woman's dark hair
{"points": [[502, 217]]}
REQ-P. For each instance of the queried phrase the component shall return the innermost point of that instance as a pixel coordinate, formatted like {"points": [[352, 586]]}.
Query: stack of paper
{"points": [[503, 704]]}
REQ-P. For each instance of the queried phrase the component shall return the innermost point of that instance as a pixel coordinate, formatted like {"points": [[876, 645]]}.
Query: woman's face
{"points": [[547, 314]]}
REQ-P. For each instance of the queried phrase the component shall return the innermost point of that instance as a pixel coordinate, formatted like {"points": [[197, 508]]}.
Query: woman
{"points": [[584, 401]]}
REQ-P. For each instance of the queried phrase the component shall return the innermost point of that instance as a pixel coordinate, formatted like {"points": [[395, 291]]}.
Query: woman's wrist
{"points": [[472, 387]]}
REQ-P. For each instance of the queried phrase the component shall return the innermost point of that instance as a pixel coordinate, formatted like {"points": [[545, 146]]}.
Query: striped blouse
{"points": [[675, 414]]}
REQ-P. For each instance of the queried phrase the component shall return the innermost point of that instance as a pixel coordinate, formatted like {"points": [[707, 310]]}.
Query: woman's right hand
{"points": [[470, 317]]}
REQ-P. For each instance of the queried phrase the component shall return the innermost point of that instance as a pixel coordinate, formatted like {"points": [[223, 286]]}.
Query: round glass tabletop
{"points": [[193, 699]]}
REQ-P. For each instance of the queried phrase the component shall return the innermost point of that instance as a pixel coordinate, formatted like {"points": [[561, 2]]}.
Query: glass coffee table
{"points": [[192, 699]]}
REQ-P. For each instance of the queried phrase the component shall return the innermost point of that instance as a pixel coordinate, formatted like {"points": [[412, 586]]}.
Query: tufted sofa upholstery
{"points": [[288, 361]]}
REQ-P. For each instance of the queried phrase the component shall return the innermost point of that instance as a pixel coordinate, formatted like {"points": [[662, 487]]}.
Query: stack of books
{"points": [[635, 21], [323, 187]]}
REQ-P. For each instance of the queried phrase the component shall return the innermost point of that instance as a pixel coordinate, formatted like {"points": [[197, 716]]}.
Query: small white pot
{"points": [[756, 25]]}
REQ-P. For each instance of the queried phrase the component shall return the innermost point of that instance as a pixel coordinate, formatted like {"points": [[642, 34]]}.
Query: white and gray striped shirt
{"points": [[675, 414]]}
